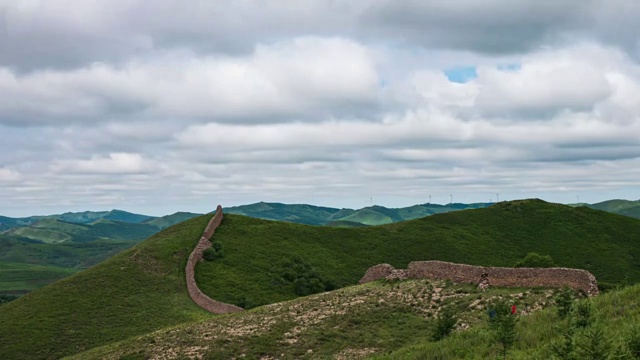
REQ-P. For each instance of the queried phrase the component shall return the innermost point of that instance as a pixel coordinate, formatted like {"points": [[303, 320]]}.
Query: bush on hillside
{"points": [[503, 325], [564, 302], [535, 260], [445, 324], [213, 253], [306, 280], [7, 298]]}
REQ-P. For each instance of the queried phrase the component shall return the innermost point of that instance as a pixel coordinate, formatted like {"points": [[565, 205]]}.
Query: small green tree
{"points": [[564, 302], [503, 325], [594, 345], [564, 349], [632, 341], [583, 314], [445, 323], [535, 260]]}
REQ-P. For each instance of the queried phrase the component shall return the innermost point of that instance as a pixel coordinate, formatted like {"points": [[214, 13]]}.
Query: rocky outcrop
{"points": [[195, 293], [489, 276]]}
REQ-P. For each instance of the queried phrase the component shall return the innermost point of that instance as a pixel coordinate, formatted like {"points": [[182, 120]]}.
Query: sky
{"points": [[164, 106]]}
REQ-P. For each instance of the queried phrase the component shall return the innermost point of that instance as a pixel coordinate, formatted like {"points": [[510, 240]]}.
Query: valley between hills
{"points": [[299, 284]]}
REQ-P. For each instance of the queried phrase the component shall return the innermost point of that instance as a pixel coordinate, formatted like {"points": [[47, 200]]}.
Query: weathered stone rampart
{"points": [[195, 293], [488, 276]]}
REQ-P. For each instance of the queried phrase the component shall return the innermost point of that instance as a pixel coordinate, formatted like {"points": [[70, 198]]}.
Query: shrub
{"points": [[564, 302], [503, 325], [445, 324], [632, 341], [213, 253], [535, 260], [594, 345], [583, 314], [306, 280]]}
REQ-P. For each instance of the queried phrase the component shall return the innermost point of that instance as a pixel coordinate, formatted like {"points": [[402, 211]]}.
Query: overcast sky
{"points": [[166, 105]]}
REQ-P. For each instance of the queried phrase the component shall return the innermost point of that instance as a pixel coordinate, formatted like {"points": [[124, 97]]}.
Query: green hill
{"points": [[374, 318], [395, 320], [300, 213], [622, 207], [137, 291], [56, 231], [170, 220], [142, 289], [74, 246], [608, 245]]}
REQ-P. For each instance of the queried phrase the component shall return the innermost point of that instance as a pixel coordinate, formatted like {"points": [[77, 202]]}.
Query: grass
{"points": [[135, 292], [142, 289], [378, 317], [21, 278], [608, 245], [615, 313]]}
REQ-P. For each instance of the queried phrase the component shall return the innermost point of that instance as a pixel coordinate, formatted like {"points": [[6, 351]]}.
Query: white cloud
{"points": [[115, 163], [327, 102], [9, 175], [304, 77]]}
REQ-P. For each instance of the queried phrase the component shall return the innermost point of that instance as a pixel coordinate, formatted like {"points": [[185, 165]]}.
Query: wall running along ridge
{"points": [[488, 276], [198, 296]]}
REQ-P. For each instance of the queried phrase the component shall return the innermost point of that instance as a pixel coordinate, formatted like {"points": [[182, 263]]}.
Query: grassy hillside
{"points": [[169, 220], [256, 250], [142, 289], [300, 213], [613, 330], [55, 243], [622, 207], [349, 323], [137, 291], [56, 231], [17, 278]]}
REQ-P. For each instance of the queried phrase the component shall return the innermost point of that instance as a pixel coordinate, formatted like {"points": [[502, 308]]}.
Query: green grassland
{"points": [[621, 207], [374, 318], [608, 245], [142, 289], [57, 243], [21, 278], [615, 314], [135, 292]]}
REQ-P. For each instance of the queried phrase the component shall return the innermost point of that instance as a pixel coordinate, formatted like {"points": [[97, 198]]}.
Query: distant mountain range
{"points": [[371, 215], [38, 250]]}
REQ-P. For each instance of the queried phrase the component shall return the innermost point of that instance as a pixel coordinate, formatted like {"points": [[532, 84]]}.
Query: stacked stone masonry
{"points": [[488, 276], [195, 293]]}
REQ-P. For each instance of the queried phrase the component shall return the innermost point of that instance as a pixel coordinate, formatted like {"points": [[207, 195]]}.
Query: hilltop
{"points": [[371, 215], [142, 289]]}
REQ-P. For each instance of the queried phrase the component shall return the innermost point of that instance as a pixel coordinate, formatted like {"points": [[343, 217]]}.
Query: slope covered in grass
{"points": [[615, 316], [256, 250], [21, 278], [137, 291], [622, 207], [349, 323]]}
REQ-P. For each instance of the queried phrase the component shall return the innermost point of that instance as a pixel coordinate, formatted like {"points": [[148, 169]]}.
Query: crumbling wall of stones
{"points": [[489, 276], [195, 293]]}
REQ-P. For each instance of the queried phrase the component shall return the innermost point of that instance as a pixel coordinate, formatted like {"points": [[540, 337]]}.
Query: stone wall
{"points": [[196, 295], [488, 276]]}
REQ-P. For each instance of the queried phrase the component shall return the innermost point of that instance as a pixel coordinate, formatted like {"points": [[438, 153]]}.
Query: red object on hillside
{"points": [[513, 309]]}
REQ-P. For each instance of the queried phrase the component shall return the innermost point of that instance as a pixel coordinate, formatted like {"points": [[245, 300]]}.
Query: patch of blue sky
{"points": [[461, 74]]}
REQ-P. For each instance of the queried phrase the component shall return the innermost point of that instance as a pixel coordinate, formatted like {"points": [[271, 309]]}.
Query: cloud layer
{"points": [[156, 109]]}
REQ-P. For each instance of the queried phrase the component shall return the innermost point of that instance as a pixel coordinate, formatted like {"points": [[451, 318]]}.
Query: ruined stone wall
{"points": [[196, 295], [493, 276]]}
